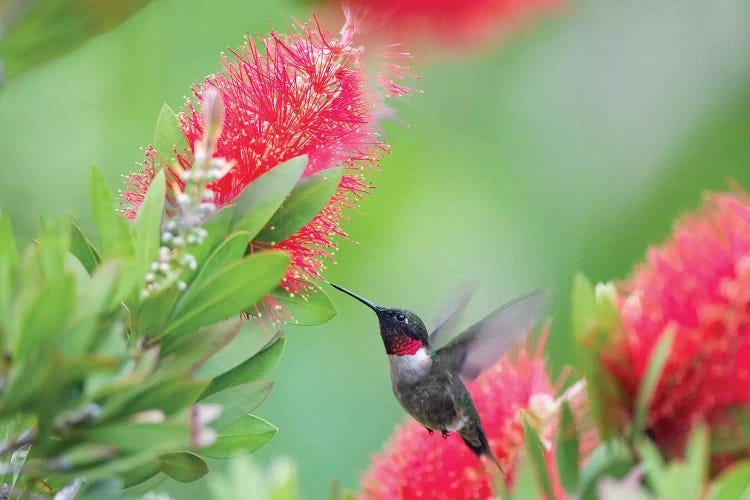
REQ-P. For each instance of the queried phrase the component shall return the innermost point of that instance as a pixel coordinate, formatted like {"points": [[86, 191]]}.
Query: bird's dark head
{"points": [[403, 332]]}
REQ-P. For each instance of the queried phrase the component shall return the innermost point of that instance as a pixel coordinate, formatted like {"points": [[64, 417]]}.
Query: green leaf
{"points": [[251, 370], [610, 459], [229, 251], [253, 338], [244, 436], [141, 473], [238, 401], [314, 308], [307, 199], [191, 351], [82, 248], [154, 312], [261, 198], [183, 466], [35, 32], [103, 489], [168, 395], [53, 245], [43, 322], [678, 479], [168, 136], [146, 228], [656, 362], [733, 483], [113, 230], [566, 451], [230, 291], [217, 228], [535, 451], [139, 437], [692, 479]]}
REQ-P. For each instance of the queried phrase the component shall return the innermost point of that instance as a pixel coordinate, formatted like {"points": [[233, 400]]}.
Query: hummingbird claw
{"points": [[445, 433], [429, 430]]}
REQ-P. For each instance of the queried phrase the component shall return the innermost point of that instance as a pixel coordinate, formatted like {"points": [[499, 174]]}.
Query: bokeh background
{"points": [[569, 145]]}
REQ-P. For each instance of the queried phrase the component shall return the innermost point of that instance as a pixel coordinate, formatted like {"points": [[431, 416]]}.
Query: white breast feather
{"points": [[411, 367]]}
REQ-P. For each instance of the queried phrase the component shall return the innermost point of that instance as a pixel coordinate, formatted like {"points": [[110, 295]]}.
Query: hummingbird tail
{"points": [[481, 447]]}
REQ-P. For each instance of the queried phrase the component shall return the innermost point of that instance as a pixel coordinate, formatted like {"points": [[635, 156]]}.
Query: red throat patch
{"points": [[402, 345]]}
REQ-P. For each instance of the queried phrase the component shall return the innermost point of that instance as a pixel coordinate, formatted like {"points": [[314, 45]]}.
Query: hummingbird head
{"points": [[402, 331]]}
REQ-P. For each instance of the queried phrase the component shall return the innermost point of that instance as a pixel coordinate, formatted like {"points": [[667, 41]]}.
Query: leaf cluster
{"points": [[103, 386]]}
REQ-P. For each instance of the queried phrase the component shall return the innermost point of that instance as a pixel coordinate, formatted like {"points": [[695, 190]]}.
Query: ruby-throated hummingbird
{"points": [[427, 381]]}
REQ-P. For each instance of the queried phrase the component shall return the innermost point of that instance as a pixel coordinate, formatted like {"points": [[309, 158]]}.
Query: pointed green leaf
{"points": [[191, 351], [566, 451], [610, 459], [53, 245], [146, 228], [120, 467], [241, 437], [252, 339], [168, 395], [229, 251], [103, 489], [535, 452], [183, 466], [230, 291], [136, 437], [43, 322], [733, 483], [307, 199], [153, 313], [82, 248], [168, 136], [251, 370], [656, 362], [217, 228], [113, 230], [35, 32], [692, 479], [238, 401], [314, 308], [256, 204]]}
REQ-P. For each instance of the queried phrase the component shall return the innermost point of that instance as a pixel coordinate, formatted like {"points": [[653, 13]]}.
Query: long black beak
{"points": [[361, 299]]}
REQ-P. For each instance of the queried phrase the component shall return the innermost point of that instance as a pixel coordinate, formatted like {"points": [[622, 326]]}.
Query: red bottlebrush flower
{"points": [[287, 95], [698, 285], [451, 23], [415, 464]]}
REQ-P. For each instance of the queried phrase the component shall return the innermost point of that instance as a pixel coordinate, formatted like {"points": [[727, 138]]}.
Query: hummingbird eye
{"points": [[400, 317]]}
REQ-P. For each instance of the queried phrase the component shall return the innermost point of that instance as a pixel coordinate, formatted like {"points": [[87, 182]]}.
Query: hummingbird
{"points": [[428, 381]]}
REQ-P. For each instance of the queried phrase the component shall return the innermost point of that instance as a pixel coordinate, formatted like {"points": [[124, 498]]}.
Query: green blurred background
{"points": [[570, 146]]}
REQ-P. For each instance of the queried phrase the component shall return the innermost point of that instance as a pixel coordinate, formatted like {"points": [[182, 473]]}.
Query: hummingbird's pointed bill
{"points": [[366, 302]]}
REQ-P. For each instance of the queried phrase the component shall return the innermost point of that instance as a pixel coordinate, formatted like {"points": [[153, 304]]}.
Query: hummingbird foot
{"points": [[445, 433], [429, 430]]}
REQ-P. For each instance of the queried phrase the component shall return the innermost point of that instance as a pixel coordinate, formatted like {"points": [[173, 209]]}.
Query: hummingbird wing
{"points": [[450, 315], [482, 344]]}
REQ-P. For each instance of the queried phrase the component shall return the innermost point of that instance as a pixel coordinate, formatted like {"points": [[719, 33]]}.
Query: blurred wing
{"points": [[482, 344], [449, 316]]}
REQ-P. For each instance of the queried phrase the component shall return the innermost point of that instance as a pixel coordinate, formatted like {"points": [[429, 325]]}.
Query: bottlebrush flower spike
{"points": [[451, 23], [698, 285], [415, 464], [286, 95]]}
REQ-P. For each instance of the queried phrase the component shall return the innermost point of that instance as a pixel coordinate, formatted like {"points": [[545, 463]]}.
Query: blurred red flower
{"points": [[286, 95], [451, 23], [698, 285], [415, 464]]}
